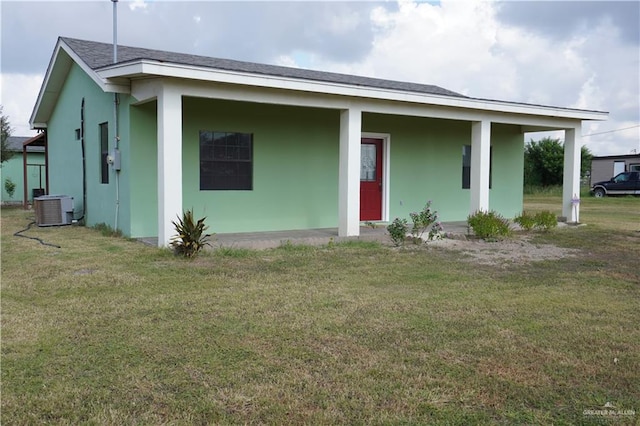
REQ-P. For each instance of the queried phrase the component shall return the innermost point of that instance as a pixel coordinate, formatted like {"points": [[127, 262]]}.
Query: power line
{"points": [[611, 131]]}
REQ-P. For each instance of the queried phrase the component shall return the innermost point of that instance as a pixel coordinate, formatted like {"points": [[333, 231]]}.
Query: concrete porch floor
{"points": [[315, 237]]}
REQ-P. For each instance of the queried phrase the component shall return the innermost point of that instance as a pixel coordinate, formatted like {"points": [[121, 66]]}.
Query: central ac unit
{"points": [[52, 210]]}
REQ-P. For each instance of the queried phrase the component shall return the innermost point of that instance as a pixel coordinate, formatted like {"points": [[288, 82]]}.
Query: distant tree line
{"points": [[544, 162]]}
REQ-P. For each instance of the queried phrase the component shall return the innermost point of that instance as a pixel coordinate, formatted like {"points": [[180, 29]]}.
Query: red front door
{"points": [[371, 179]]}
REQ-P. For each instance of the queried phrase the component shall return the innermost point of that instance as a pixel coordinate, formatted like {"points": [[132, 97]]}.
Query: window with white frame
{"points": [[226, 160]]}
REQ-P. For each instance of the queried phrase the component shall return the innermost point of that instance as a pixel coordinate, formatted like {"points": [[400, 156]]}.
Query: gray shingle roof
{"points": [[14, 143], [99, 55]]}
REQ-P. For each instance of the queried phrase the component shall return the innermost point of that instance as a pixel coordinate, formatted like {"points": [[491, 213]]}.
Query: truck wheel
{"points": [[599, 193]]}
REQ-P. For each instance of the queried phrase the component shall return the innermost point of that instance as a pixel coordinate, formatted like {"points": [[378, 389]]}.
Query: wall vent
{"points": [[53, 210]]}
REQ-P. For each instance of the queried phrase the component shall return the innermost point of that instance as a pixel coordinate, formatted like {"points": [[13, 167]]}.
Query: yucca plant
{"points": [[190, 238]]}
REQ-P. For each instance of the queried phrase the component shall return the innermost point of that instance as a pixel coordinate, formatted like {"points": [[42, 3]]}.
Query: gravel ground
{"points": [[518, 250]]}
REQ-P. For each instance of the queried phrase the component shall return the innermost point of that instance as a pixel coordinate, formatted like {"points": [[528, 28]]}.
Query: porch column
{"points": [[169, 161], [480, 149], [25, 187], [571, 175], [349, 173]]}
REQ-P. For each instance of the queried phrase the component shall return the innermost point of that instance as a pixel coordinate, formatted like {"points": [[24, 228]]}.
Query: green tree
{"points": [[6, 132], [585, 163], [544, 162]]}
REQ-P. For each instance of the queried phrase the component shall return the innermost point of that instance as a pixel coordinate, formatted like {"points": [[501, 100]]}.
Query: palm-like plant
{"points": [[190, 238]]}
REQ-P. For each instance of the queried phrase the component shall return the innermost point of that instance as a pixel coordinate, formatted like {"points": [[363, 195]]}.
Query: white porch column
{"points": [[169, 162], [571, 175], [349, 173], [480, 157]]}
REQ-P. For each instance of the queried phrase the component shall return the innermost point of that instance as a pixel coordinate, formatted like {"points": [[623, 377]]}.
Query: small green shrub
{"points": [[10, 187], [545, 220], [526, 221], [489, 225], [436, 232], [422, 220], [190, 238], [398, 231]]}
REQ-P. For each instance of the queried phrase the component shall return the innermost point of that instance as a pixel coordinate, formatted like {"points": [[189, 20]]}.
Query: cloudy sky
{"points": [[579, 54]]}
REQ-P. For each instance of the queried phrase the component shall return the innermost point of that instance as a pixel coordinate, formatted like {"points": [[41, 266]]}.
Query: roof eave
{"points": [[60, 63], [35, 119], [146, 68]]}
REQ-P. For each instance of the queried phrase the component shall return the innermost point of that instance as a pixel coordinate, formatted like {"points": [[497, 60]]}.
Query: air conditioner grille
{"points": [[49, 211], [53, 210]]}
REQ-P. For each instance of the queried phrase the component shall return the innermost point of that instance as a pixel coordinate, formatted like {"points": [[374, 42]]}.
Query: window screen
{"points": [[226, 161]]}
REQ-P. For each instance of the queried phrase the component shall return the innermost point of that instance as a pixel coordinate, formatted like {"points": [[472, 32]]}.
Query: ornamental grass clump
{"points": [[489, 225], [190, 238], [545, 220], [526, 221], [542, 221]]}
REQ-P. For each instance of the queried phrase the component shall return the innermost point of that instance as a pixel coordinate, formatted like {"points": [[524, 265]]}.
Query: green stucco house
{"points": [[26, 169], [136, 136]]}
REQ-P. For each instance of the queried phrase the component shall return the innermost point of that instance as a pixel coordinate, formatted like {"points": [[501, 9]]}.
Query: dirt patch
{"points": [[515, 250]]}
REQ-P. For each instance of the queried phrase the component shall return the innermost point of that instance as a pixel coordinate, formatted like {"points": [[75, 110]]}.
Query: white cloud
{"points": [[462, 46], [343, 24], [19, 94], [591, 96], [556, 53]]}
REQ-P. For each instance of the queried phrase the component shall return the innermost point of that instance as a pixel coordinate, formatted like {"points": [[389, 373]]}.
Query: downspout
{"points": [[116, 156], [46, 161], [25, 190], [116, 102], [84, 164]]}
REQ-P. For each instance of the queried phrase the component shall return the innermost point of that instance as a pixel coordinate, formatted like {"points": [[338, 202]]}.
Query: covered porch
{"points": [[35, 143], [481, 115]]}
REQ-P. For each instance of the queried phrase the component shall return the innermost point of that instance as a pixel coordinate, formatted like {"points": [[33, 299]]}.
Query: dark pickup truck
{"points": [[627, 183]]}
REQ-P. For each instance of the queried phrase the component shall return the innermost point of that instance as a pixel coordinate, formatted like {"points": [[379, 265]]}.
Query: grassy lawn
{"points": [[104, 330]]}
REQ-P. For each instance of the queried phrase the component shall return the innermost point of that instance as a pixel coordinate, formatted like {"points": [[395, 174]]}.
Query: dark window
{"points": [[466, 166], [226, 161], [104, 152]]}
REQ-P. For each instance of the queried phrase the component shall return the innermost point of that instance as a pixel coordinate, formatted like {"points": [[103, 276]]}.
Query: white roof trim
{"points": [[41, 93], [118, 78], [148, 89], [52, 88], [145, 68]]}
